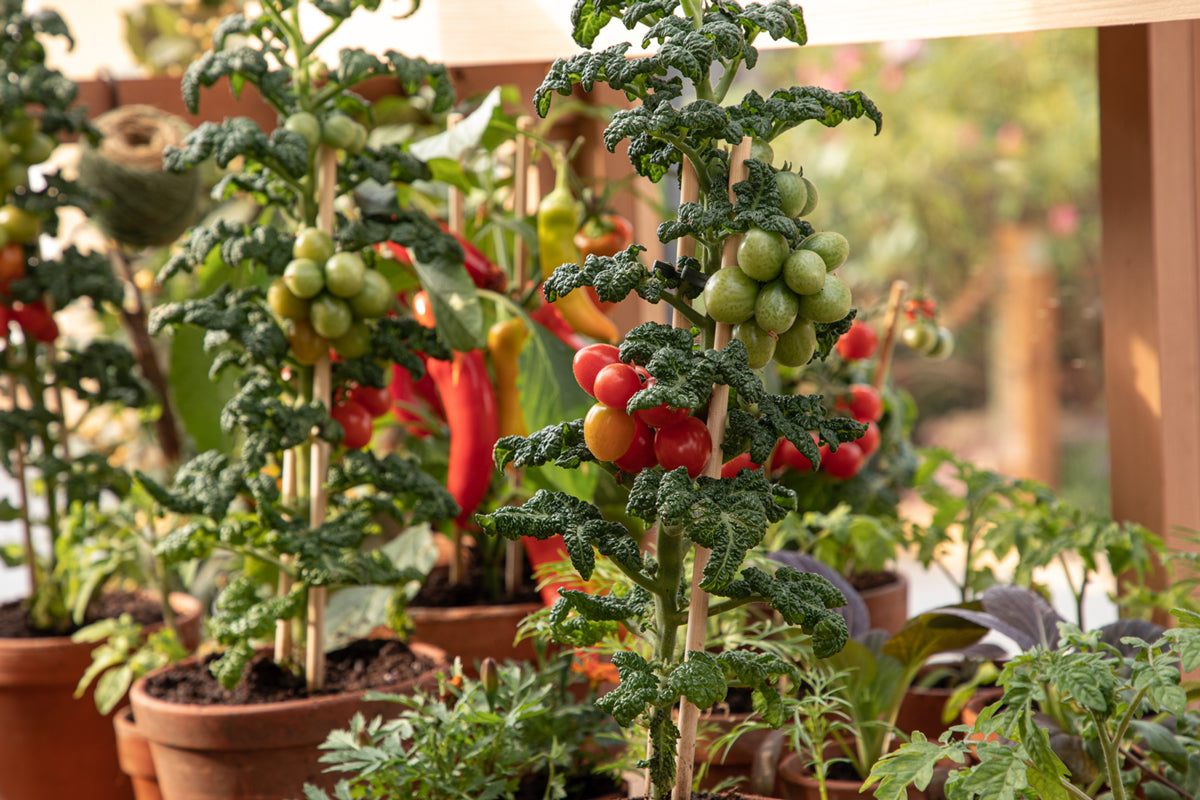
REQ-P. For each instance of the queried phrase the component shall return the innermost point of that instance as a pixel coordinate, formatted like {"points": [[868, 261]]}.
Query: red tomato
{"points": [[356, 424], [858, 342], [423, 309], [377, 401], [663, 416], [607, 236], [788, 456], [733, 466], [36, 321], [845, 463], [684, 444], [640, 454], [869, 441], [5, 318], [929, 307], [608, 432], [589, 361], [12, 265], [615, 384], [864, 403]]}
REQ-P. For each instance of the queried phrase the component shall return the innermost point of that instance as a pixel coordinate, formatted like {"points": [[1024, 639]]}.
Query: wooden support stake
{"points": [[283, 627], [891, 326], [521, 200], [718, 407], [314, 655]]}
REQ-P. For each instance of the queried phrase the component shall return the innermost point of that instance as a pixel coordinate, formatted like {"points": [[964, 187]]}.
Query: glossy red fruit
{"points": [[377, 401], [588, 362], [859, 342], [615, 384], [869, 441], [356, 424], [788, 456], [640, 454], [733, 466], [684, 444], [863, 401], [36, 321], [844, 463]]}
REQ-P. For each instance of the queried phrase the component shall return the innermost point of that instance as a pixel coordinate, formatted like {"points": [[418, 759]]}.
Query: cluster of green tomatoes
{"points": [[326, 296], [22, 144], [773, 295]]}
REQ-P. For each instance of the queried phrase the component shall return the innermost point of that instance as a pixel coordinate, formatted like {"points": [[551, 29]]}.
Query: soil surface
{"points": [[438, 592], [366, 664], [14, 623], [729, 794], [871, 580], [580, 786]]}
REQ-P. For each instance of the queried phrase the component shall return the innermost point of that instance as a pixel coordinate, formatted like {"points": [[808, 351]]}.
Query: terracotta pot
{"points": [[252, 752], [53, 745], [473, 633], [133, 755], [736, 762], [887, 605]]}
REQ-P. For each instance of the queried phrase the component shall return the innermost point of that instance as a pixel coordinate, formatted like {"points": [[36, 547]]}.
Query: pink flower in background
{"points": [[1010, 139], [1062, 219]]}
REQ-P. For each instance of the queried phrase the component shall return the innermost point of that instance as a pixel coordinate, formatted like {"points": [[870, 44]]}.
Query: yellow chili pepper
{"points": [[505, 340]]}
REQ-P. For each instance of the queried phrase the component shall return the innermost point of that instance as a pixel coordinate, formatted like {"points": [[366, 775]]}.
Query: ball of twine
{"points": [[140, 204]]}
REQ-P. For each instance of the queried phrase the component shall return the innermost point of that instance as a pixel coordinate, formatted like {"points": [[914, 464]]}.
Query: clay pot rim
{"points": [[182, 603], [485, 610], [898, 580], [315, 702], [795, 772]]}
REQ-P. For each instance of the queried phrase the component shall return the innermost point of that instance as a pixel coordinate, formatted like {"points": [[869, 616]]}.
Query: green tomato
{"points": [[355, 342], [23, 227], [37, 149], [21, 130], [313, 243], [920, 336], [304, 277], [344, 274], [760, 254], [14, 176], [776, 306], [330, 316], [793, 193], [797, 344], [810, 202], [729, 295], [762, 151], [285, 304], [831, 246], [375, 298], [760, 344], [828, 305], [307, 125], [943, 344], [342, 133], [804, 272], [308, 346]]}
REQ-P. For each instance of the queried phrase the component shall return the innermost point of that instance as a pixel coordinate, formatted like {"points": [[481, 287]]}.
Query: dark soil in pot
{"points": [[580, 787], [365, 664], [14, 623], [438, 592]]}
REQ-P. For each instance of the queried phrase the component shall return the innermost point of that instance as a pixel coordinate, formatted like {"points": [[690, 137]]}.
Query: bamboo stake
{"points": [[314, 656], [718, 406], [521, 200], [22, 489], [891, 326], [283, 627]]}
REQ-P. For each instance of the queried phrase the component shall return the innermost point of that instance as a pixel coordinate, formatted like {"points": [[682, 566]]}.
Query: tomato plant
{"points": [[863, 401], [36, 321], [738, 463], [356, 424], [685, 444], [12, 265], [377, 400], [615, 384], [588, 362], [843, 463], [608, 432], [640, 454], [870, 440], [787, 456]]}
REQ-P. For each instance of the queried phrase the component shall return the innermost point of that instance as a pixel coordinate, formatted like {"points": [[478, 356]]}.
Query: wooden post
{"points": [[1024, 407], [1150, 189]]}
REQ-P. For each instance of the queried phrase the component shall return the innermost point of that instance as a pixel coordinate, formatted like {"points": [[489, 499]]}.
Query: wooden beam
{"points": [[1150, 185]]}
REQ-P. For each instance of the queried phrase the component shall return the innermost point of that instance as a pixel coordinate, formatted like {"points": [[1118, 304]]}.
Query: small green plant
{"points": [[514, 729], [1082, 719], [850, 543]]}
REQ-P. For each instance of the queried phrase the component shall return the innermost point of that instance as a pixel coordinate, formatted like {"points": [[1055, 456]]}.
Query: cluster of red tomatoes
{"points": [[357, 411], [18, 229], [664, 436]]}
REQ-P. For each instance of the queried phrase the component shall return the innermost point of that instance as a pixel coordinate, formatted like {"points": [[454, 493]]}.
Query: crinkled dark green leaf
{"points": [[561, 445], [636, 693]]}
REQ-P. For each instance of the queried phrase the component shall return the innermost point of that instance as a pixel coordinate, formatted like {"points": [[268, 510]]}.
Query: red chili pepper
{"points": [[552, 320], [466, 391], [484, 274]]}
